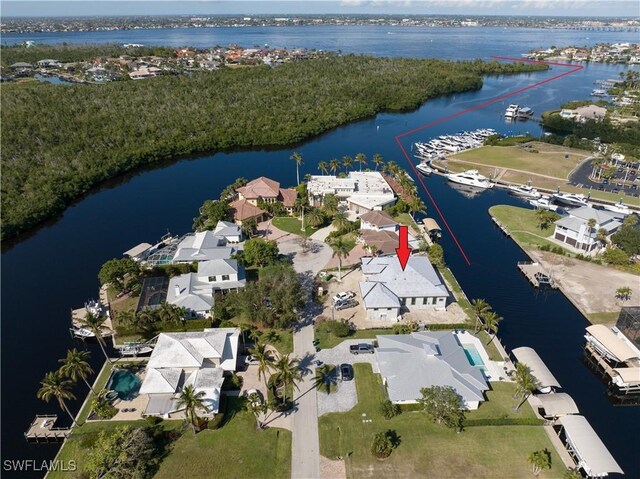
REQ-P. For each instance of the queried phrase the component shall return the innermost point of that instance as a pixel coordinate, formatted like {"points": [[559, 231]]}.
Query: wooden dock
{"points": [[42, 430], [536, 274]]}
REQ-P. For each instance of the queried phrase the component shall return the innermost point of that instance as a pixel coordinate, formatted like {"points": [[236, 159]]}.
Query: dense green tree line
{"points": [[77, 53], [59, 142]]}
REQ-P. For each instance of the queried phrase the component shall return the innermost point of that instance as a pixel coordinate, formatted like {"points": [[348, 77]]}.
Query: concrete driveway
{"points": [[313, 260], [340, 354]]}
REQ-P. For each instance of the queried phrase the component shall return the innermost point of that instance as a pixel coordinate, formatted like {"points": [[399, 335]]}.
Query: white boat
{"points": [[571, 199], [598, 92], [526, 191], [82, 333], [470, 178], [135, 349], [424, 169], [543, 203], [512, 111], [618, 208]]}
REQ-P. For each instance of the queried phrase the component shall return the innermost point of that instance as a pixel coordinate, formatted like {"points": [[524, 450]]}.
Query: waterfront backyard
{"points": [[426, 449]]}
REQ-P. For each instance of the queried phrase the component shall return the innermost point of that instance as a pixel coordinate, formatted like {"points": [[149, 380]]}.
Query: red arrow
{"points": [[403, 251]]}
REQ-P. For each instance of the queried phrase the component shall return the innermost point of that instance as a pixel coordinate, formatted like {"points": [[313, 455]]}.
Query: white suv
{"points": [[343, 296]]}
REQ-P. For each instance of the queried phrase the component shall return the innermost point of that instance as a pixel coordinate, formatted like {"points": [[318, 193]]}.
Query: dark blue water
{"points": [[455, 43], [56, 268]]}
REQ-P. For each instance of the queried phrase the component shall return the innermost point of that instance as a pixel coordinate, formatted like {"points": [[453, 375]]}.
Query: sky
{"points": [[586, 8]]}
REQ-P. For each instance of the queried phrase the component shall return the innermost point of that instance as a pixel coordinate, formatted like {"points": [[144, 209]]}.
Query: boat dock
{"points": [[42, 430], [536, 274], [502, 227]]}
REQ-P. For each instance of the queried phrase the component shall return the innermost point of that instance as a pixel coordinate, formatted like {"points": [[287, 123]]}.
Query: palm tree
{"points": [[75, 366], [325, 377], [334, 164], [480, 307], [297, 157], [265, 360], [361, 159], [601, 235], [323, 167], [491, 320], [315, 217], [393, 168], [377, 160], [591, 224], [416, 205], [340, 220], [54, 385], [341, 250], [347, 161], [526, 383], [126, 317], [624, 293], [287, 372], [255, 406], [192, 401], [95, 324], [249, 227]]}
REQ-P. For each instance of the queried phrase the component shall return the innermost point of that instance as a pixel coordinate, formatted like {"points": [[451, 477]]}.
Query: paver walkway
{"points": [[305, 458]]}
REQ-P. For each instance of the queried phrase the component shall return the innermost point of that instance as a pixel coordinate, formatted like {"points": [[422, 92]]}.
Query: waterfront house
{"points": [[268, 191], [21, 66], [567, 114], [383, 242], [188, 292], [574, 230], [231, 232], [204, 246], [200, 359], [49, 63], [590, 112], [419, 360], [387, 288], [378, 221], [221, 274], [244, 210], [362, 191]]}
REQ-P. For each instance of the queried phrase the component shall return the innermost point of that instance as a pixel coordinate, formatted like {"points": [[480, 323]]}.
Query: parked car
{"points": [[361, 348], [349, 303], [248, 360], [343, 296], [346, 372]]}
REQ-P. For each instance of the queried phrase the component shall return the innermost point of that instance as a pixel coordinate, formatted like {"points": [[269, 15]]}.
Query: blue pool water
{"points": [[125, 383], [473, 355]]}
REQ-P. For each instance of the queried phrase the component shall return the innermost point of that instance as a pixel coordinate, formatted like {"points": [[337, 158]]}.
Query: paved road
{"points": [[305, 458]]}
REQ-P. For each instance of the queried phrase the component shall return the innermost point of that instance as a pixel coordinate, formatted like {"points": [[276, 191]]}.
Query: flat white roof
{"points": [[557, 404], [591, 452], [538, 368], [614, 344], [137, 250]]}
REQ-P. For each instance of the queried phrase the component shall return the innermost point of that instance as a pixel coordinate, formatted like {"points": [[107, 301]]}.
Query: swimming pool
{"points": [[125, 383], [473, 355]]}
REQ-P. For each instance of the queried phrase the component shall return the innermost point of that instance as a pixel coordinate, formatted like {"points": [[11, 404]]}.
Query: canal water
{"points": [[55, 269]]}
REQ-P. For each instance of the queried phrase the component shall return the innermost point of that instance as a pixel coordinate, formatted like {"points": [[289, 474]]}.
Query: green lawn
{"points": [[457, 293], [550, 160], [292, 225], [128, 335], [406, 219], [236, 450], [491, 348], [329, 340], [79, 444], [98, 385], [284, 342], [427, 449], [603, 318]]}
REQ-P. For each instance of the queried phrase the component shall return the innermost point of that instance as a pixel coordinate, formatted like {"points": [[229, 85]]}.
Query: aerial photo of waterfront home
{"points": [[299, 223]]}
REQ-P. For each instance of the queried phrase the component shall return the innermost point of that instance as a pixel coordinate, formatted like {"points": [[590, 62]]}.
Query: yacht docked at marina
{"points": [[571, 199], [543, 203], [448, 144], [470, 178], [526, 191], [512, 111]]}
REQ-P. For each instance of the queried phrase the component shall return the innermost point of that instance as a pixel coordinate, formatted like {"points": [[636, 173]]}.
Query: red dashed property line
{"points": [[574, 68]]}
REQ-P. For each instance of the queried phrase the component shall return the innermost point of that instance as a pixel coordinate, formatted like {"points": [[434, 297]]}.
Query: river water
{"points": [[55, 268]]}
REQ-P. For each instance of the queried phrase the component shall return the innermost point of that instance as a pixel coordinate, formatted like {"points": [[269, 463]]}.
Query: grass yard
{"points": [[78, 446], [523, 226], [129, 335], [406, 219], [292, 225], [491, 348], [427, 449], [235, 450], [462, 300], [549, 161], [329, 340], [603, 318]]}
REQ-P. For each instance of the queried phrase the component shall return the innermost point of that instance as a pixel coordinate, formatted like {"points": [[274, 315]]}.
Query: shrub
{"points": [[411, 407], [381, 445], [337, 328], [615, 256], [232, 383], [389, 410], [153, 420]]}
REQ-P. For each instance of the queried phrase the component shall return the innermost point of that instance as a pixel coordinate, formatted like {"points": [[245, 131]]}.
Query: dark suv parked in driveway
{"points": [[346, 372]]}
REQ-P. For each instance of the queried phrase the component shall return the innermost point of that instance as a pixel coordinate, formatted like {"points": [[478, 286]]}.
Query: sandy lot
{"points": [[591, 287]]}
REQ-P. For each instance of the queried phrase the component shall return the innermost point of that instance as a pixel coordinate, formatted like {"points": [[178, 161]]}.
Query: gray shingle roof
{"points": [[377, 295], [411, 362]]}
